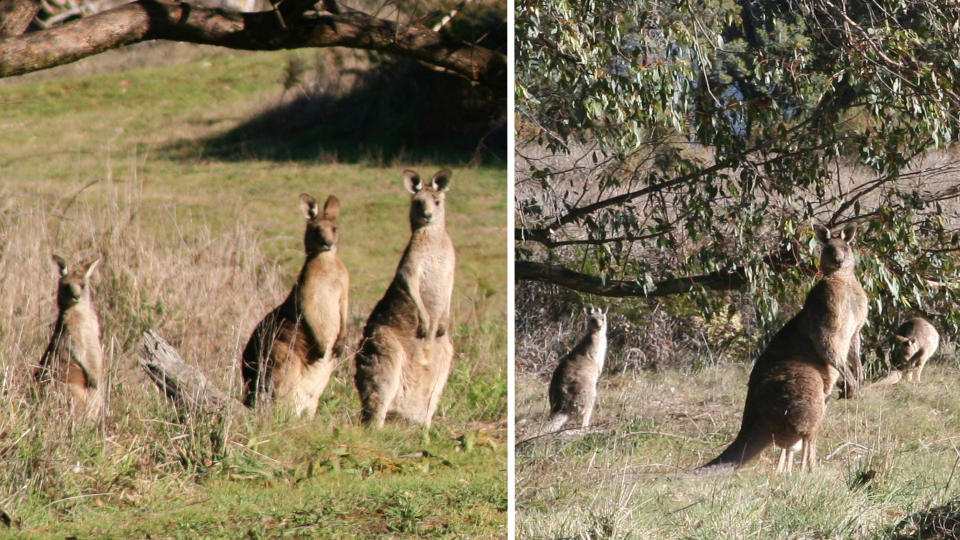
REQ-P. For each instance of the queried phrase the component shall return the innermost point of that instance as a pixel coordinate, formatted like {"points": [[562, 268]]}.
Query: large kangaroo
{"points": [[74, 356], [406, 352], [573, 387], [918, 341], [791, 380], [293, 350]]}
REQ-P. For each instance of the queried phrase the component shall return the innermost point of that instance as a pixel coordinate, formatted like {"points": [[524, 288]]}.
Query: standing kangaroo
{"points": [[789, 384], [573, 387], [918, 341], [293, 350], [406, 351], [74, 356]]}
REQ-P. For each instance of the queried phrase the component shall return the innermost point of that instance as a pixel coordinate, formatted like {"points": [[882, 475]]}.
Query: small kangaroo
{"points": [[293, 350], [74, 356], [573, 387], [918, 341], [406, 351], [789, 384]]}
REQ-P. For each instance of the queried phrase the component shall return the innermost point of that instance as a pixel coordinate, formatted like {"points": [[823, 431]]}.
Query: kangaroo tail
{"points": [[555, 422], [744, 448], [890, 379]]}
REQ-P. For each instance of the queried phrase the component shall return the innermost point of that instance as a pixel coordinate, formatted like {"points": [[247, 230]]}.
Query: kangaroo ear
{"points": [[441, 180], [849, 232], [61, 265], [309, 206], [331, 208], [901, 338], [823, 233], [411, 180], [90, 267]]}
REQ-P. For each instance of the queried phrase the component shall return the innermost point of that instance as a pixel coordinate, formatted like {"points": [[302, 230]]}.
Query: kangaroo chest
{"points": [[318, 295], [600, 351], [856, 308], [80, 338], [434, 264]]}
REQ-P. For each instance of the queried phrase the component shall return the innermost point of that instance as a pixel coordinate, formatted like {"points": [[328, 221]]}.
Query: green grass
{"points": [[200, 249], [887, 456], [341, 485]]}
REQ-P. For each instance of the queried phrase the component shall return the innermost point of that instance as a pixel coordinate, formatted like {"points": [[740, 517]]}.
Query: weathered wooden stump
{"points": [[184, 384]]}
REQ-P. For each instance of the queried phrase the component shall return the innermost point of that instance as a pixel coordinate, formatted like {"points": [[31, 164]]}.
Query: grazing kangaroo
{"points": [[789, 384], [293, 351], [573, 387], [918, 341], [406, 351], [74, 356]]}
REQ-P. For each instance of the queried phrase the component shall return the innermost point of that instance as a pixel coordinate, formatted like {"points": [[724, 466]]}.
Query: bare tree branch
{"points": [[146, 20], [558, 275]]}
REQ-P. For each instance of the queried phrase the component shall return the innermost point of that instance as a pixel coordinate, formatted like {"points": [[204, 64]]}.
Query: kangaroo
{"points": [[74, 356], [789, 384], [573, 387], [406, 351], [293, 350], [918, 341]]}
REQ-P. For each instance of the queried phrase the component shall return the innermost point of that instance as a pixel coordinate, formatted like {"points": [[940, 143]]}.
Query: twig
{"points": [[559, 431], [844, 445], [449, 16], [88, 495]]}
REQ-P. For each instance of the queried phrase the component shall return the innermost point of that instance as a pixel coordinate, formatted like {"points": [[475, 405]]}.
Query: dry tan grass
{"points": [[886, 456]]}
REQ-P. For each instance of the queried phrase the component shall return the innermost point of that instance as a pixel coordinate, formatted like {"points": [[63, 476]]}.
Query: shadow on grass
{"points": [[367, 107], [941, 522]]}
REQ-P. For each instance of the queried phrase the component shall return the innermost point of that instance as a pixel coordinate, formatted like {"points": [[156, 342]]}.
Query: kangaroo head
{"points": [[321, 233], [908, 347], [596, 319], [836, 253], [427, 204], [74, 283]]}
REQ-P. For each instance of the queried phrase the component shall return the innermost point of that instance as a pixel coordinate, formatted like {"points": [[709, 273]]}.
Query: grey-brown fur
{"points": [[791, 380], [406, 351], [918, 341], [74, 357], [294, 349], [573, 387]]}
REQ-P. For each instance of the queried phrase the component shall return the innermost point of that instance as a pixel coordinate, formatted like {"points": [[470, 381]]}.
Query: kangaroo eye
{"points": [[334, 229]]}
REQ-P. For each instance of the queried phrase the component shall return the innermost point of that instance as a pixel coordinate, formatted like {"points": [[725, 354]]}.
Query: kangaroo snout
{"points": [[422, 209], [833, 258], [70, 294]]}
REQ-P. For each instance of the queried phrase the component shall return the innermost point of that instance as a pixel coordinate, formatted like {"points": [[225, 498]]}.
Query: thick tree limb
{"points": [[15, 16], [558, 275], [146, 20], [181, 382]]}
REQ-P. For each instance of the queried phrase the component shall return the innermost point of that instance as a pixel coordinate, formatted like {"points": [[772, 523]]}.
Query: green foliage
{"points": [[703, 138]]}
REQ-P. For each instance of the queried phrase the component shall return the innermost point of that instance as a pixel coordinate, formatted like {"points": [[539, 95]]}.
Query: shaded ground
{"points": [[398, 110]]}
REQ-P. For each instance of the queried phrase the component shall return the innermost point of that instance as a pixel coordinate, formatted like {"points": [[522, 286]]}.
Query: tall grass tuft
{"points": [[201, 291]]}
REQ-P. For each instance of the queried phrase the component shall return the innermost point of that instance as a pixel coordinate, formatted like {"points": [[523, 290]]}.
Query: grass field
{"points": [[109, 162], [888, 461]]}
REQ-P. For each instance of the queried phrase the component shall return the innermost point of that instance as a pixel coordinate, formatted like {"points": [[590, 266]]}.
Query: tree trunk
{"points": [[184, 384]]}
